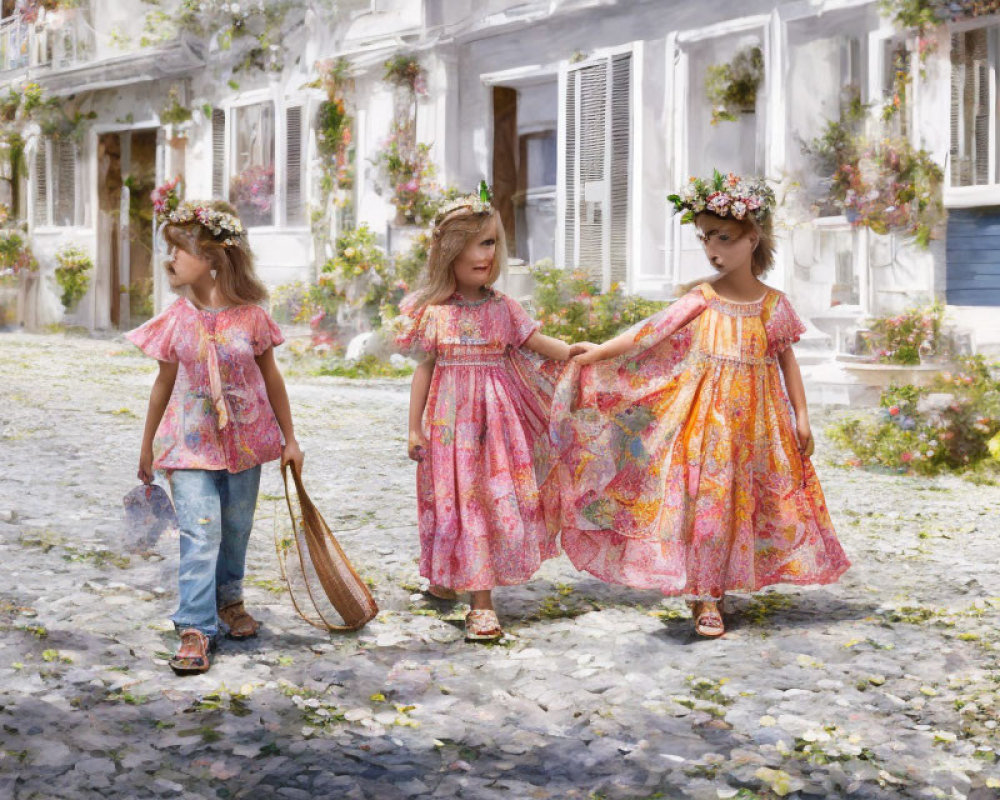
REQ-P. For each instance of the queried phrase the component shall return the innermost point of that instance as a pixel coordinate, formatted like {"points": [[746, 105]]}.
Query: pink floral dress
{"points": [[680, 463], [486, 495], [219, 415]]}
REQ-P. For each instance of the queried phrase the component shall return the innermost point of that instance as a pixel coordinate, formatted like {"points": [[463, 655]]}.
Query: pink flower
{"points": [[906, 457], [894, 411]]}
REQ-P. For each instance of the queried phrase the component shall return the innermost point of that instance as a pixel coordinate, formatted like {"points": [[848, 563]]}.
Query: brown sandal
{"points": [[441, 592], [707, 623], [482, 625], [196, 641], [241, 625]]}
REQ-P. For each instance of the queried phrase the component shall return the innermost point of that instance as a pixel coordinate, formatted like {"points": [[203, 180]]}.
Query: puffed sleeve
{"points": [[414, 332], [783, 327], [522, 326], [668, 321], [157, 337], [266, 333]]}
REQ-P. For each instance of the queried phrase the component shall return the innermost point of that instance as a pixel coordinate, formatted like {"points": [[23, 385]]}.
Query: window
{"points": [[56, 165], [598, 159], [251, 182], [974, 107]]}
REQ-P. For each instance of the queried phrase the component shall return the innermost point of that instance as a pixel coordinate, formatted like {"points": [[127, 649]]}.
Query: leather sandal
{"points": [[196, 645], [707, 622], [441, 592], [482, 625], [241, 625]]}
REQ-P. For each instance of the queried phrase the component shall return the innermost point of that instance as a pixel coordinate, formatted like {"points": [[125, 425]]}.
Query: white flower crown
{"points": [[479, 202], [216, 222]]}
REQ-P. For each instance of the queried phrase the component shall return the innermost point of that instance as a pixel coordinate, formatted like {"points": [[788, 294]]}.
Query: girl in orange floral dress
{"points": [[686, 458]]}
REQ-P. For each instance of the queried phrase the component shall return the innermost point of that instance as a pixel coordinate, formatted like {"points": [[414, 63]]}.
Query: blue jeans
{"points": [[215, 511]]}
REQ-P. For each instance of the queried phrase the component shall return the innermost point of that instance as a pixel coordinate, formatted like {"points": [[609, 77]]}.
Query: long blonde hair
{"points": [[448, 240], [233, 264]]}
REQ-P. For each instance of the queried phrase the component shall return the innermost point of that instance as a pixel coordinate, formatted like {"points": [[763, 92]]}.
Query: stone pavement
{"points": [[882, 686]]}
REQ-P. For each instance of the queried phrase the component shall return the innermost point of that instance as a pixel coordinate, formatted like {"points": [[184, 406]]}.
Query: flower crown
{"points": [[479, 202], [215, 221], [725, 196]]}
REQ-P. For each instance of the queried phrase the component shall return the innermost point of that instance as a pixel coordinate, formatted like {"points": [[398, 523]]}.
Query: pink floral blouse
{"points": [[219, 416]]}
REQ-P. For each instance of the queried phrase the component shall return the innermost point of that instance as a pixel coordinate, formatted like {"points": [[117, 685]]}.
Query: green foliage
{"points": [[174, 113], [365, 367], [953, 425], [572, 307], [405, 71], [732, 88], [73, 274]]}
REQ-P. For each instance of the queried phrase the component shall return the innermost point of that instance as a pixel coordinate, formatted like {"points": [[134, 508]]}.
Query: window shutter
{"points": [[41, 209], [621, 137], [293, 166], [65, 193], [960, 162], [981, 120], [598, 162], [219, 153], [570, 253]]}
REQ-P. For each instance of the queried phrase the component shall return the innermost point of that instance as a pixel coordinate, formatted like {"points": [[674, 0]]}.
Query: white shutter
{"points": [[598, 165], [621, 165], [981, 118], [572, 179], [64, 168], [219, 153], [41, 209], [294, 211]]}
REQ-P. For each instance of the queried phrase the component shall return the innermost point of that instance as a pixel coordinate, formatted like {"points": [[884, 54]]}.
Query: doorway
{"points": [[126, 176]]}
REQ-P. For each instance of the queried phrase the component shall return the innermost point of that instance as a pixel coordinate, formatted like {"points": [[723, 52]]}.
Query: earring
{"points": [[213, 273]]}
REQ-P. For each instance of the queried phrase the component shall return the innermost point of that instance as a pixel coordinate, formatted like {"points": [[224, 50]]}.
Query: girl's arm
{"points": [[158, 399], [555, 349], [622, 343], [419, 387], [797, 396], [277, 395]]}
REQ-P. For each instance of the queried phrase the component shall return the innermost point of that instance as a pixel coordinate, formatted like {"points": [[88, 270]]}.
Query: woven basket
{"points": [[325, 589]]}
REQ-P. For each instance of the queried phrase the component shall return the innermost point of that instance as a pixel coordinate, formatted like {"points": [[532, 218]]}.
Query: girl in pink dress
{"points": [[218, 410], [486, 493], [685, 470]]}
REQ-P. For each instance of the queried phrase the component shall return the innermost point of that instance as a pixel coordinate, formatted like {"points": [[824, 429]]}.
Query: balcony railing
{"points": [[63, 39]]}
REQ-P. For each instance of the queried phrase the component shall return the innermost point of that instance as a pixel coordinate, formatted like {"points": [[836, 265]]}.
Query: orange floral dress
{"points": [[680, 467]]}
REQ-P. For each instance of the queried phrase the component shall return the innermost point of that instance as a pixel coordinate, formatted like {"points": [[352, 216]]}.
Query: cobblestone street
{"points": [[884, 685]]}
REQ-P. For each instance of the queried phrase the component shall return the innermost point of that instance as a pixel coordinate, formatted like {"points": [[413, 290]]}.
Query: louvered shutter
{"points": [[294, 212], [572, 178], [219, 153], [598, 164], [981, 114], [960, 161], [41, 209], [621, 153], [65, 182]]}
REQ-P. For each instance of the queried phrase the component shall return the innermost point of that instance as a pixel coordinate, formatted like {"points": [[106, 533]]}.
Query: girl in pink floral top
{"points": [[217, 411], [486, 494]]}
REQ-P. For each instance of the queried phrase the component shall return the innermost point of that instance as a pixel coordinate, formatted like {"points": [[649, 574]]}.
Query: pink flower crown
{"points": [[725, 196], [217, 222]]}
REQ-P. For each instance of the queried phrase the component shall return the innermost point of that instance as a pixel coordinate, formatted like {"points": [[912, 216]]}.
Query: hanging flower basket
{"points": [[732, 88]]}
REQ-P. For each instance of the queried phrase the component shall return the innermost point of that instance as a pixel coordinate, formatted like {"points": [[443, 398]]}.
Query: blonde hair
{"points": [[233, 264], [448, 240], [762, 258]]}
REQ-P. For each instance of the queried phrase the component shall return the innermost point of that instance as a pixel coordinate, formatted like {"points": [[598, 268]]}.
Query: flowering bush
{"points": [[16, 258], [889, 186], [334, 124], [252, 192], [906, 337], [408, 173], [572, 307], [951, 425], [360, 272], [73, 274], [732, 88], [166, 197]]}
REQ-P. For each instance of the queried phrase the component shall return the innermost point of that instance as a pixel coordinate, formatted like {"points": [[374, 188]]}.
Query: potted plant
{"points": [[73, 274], [732, 88]]}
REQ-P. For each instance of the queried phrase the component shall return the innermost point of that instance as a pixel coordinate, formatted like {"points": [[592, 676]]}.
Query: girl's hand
{"points": [[416, 446], [804, 433], [146, 466], [589, 356], [291, 453], [580, 348]]}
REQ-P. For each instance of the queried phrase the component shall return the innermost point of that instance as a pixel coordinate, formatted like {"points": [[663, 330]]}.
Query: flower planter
{"points": [[881, 376]]}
